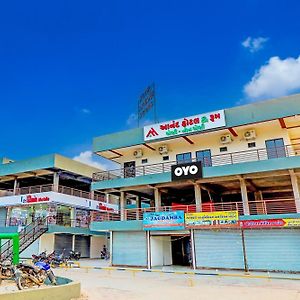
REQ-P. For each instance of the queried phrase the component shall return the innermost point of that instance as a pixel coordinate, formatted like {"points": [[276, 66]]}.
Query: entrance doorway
{"points": [[168, 250]]}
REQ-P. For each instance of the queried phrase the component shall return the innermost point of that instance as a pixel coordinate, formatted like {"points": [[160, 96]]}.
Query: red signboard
{"points": [[33, 199], [262, 223]]}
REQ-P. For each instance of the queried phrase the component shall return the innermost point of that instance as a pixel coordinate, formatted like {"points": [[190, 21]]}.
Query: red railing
{"points": [[213, 161], [263, 207]]}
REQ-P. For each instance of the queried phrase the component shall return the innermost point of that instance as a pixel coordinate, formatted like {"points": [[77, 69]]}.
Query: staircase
{"points": [[27, 236]]}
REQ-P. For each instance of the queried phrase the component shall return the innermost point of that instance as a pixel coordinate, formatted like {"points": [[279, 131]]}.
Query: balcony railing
{"points": [[50, 188], [213, 161], [262, 207]]}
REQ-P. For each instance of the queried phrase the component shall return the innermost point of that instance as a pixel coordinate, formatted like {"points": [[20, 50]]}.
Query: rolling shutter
{"points": [[63, 241], [82, 244], [129, 248], [273, 250], [219, 249]]}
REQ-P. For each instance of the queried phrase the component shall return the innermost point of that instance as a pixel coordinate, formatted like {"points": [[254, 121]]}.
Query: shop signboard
{"points": [[185, 126], [269, 223], [191, 170], [173, 220], [211, 219]]}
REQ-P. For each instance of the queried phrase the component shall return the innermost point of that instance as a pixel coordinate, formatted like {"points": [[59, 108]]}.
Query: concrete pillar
{"points": [[296, 189], [92, 195], [55, 182], [138, 206], [148, 250], [193, 249], [258, 196], [157, 199], [198, 197], [244, 196], [122, 205], [73, 217], [16, 186]]}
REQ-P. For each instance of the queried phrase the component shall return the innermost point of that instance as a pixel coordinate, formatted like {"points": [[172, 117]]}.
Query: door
{"points": [[273, 249], [129, 248], [205, 157], [129, 169], [83, 244], [219, 249], [63, 241], [275, 148]]}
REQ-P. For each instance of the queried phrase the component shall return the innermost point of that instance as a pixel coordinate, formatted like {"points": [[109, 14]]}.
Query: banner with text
{"points": [[185, 126], [211, 219]]}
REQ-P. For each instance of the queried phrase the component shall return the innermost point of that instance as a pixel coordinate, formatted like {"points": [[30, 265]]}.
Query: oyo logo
{"points": [[151, 133], [179, 171], [187, 171]]}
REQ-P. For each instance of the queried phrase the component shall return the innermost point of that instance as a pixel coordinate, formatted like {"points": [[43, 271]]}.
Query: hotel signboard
{"points": [[173, 220], [185, 126]]}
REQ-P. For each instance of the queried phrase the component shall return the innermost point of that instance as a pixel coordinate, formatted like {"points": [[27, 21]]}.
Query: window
{"points": [[205, 157], [144, 161], [166, 158], [252, 145], [275, 148], [184, 158], [223, 149]]}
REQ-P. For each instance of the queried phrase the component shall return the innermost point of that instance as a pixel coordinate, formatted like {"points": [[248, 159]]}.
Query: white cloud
{"points": [[85, 111], [86, 157], [254, 44], [278, 77]]}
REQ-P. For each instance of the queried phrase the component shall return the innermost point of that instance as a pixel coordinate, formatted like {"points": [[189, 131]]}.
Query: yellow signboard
{"points": [[218, 218], [291, 222]]}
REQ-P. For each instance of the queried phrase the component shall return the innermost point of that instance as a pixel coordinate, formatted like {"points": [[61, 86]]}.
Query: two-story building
{"points": [[55, 189], [244, 159]]}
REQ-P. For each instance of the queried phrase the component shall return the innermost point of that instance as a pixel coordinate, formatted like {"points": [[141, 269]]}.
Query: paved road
{"points": [[117, 285]]}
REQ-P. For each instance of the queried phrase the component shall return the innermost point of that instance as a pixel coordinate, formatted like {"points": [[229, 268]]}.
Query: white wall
{"points": [[161, 251], [211, 140], [47, 242], [97, 243]]}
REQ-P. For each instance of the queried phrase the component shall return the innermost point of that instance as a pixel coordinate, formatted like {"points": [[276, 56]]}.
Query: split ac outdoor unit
{"points": [[225, 139], [163, 149], [250, 135], [138, 153]]}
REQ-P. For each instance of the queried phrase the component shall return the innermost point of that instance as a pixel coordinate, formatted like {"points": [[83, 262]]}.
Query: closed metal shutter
{"points": [[63, 241], [82, 244], [274, 249], [219, 249], [129, 248], [3, 212]]}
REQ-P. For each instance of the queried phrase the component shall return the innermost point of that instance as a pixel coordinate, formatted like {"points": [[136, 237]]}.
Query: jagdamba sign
{"points": [[186, 171], [185, 126], [171, 220]]}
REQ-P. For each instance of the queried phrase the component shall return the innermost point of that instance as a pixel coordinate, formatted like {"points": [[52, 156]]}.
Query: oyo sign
{"points": [[185, 126], [187, 171]]}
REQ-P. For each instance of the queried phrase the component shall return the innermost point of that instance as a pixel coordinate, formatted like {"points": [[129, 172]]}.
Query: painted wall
{"points": [[47, 243], [32, 249], [97, 245], [161, 251]]}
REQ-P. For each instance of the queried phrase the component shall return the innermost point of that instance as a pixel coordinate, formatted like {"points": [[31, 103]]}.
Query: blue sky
{"points": [[73, 70]]}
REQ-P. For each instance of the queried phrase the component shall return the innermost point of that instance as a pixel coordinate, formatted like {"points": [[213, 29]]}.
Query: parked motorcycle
{"points": [[74, 255], [35, 274], [9, 271]]}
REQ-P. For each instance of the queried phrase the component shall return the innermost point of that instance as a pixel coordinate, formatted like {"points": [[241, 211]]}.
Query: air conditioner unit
{"points": [[163, 149], [138, 153], [225, 139], [250, 134]]}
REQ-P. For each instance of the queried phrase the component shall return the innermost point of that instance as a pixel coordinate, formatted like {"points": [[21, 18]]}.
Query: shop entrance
{"points": [[168, 250]]}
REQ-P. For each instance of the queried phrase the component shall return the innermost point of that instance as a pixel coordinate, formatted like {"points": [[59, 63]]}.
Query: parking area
{"points": [[131, 284]]}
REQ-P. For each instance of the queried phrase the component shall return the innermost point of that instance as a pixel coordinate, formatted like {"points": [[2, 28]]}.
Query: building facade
{"points": [[214, 190], [58, 190]]}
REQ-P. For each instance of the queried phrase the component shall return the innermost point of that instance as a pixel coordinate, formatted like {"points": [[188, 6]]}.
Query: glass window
{"points": [[223, 149], [205, 157], [252, 145], [275, 148], [165, 157], [184, 158]]}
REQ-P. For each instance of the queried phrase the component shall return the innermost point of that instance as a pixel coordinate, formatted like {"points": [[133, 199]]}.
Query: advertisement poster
{"points": [[164, 220], [270, 223], [208, 219]]}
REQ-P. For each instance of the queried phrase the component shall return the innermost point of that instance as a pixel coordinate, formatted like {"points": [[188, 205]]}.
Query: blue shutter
{"points": [[219, 249], [276, 249], [129, 248]]}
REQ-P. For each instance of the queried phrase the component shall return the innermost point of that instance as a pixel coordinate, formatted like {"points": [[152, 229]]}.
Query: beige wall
{"points": [[264, 131], [97, 243], [47, 242]]}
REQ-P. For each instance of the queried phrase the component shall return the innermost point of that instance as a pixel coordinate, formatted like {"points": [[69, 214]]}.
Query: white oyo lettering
{"points": [[178, 172], [193, 170], [186, 170]]}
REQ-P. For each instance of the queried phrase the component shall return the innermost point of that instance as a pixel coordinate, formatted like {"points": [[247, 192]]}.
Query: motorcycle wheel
{"points": [[52, 278], [24, 282]]}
